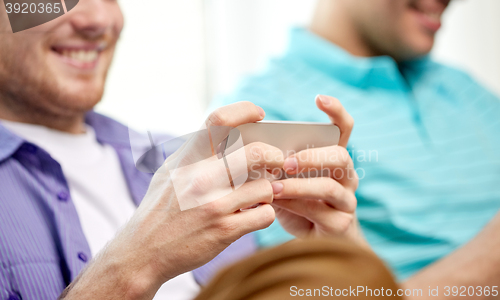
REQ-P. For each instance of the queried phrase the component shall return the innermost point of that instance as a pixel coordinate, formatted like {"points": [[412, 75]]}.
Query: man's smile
{"points": [[428, 13], [80, 55]]}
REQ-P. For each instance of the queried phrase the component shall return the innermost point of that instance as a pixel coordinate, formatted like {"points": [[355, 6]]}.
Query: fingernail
{"points": [[290, 164], [277, 187], [324, 100], [261, 111]]}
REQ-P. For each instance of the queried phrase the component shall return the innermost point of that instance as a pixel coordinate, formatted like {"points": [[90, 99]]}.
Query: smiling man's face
{"points": [[59, 68], [403, 29]]}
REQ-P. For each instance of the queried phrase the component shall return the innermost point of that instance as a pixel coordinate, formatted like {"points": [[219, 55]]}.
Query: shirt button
{"points": [[30, 148], [62, 196], [14, 296], [82, 256]]}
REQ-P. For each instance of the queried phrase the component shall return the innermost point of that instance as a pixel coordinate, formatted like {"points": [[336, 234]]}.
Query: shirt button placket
{"points": [[14, 296], [63, 196], [30, 148], [82, 256]]}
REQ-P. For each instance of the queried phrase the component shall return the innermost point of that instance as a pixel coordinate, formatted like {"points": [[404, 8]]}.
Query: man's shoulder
{"points": [[446, 79], [453, 74]]}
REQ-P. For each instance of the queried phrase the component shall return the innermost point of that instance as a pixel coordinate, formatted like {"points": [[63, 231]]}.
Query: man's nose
{"points": [[92, 18]]}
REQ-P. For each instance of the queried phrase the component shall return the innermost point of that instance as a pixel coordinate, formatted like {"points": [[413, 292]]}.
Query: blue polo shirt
{"points": [[426, 144]]}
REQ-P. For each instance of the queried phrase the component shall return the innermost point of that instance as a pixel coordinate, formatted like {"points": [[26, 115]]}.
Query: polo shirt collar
{"points": [[321, 54]]}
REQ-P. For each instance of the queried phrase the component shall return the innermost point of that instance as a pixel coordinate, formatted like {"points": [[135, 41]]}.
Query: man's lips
{"points": [[83, 56], [432, 22], [428, 13]]}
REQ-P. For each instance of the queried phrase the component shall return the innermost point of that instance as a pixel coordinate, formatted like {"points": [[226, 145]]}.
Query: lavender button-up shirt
{"points": [[42, 244]]}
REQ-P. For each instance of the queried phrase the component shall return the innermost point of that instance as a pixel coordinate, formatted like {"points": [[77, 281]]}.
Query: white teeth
{"points": [[81, 55], [92, 55]]}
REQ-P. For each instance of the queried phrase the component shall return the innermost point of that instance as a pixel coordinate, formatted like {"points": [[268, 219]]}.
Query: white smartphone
{"points": [[289, 137]]}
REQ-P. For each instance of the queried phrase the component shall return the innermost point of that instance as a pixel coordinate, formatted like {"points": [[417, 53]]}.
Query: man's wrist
{"points": [[141, 285], [134, 272], [113, 276]]}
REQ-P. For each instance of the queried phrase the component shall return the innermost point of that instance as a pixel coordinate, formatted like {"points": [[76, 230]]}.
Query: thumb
{"points": [[338, 115]]}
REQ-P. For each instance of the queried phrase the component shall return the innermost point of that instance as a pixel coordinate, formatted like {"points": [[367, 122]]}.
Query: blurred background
{"points": [[175, 56]]}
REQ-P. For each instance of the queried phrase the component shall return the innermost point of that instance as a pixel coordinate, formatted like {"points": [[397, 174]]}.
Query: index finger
{"points": [[253, 157], [338, 115], [335, 159]]}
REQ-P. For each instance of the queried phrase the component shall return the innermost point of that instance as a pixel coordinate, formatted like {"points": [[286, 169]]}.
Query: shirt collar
{"points": [[9, 143], [108, 131], [321, 54]]}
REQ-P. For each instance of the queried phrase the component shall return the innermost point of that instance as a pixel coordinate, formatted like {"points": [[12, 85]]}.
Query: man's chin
{"points": [[415, 49], [80, 99], [424, 48]]}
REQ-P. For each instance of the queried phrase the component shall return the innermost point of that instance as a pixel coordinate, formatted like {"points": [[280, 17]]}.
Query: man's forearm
{"points": [[476, 264], [114, 274]]}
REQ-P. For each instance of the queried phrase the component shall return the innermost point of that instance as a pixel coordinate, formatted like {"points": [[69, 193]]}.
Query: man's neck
{"points": [[70, 123], [332, 23]]}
